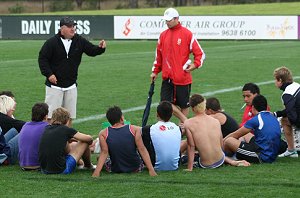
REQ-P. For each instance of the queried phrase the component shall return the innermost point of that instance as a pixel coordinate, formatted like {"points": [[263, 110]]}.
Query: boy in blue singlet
{"points": [[121, 142]]}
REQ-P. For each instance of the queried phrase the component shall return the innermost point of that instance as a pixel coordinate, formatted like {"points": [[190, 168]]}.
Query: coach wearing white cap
{"points": [[172, 59], [59, 59]]}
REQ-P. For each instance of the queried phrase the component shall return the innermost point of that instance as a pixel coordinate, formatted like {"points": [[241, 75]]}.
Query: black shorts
{"points": [[249, 151], [176, 94]]}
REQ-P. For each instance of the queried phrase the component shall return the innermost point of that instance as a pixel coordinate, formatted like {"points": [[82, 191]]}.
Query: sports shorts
{"points": [[31, 169], [56, 98], [70, 164], [176, 94], [214, 165], [108, 166], [249, 151]]}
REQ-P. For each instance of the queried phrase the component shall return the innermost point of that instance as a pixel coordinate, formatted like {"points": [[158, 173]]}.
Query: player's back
{"points": [[207, 135]]}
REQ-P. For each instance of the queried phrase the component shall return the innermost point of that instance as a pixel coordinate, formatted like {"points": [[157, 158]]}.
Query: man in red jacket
{"points": [[172, 59]]}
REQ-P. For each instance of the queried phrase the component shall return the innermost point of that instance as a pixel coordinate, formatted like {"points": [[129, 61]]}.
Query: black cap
{"points": [[67, 21]]}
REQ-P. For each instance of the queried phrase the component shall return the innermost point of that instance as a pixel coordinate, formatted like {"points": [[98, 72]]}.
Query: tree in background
{"points": [[156, 3], [160, 3], [20, 6], [65, 5], [197, 2], [79, 3], [133, 4], [180, 3]]}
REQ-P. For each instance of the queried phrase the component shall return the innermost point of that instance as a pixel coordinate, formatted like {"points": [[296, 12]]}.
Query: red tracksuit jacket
{"points": [[173, 49]]}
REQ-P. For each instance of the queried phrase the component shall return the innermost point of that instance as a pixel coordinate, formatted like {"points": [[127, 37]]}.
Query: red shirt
{"points": [[172, 52], [248, 114]]}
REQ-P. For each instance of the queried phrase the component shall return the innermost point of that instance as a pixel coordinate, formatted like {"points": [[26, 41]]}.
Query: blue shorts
{"points": [[70, 164]]}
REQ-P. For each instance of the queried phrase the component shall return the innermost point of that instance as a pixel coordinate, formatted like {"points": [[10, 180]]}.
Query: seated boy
{"points": [[9, 131], [204, 134], [121, 142], [228, 123], [7, 108], [56, 154], [30, 135], [162, 139], [265, 143]]}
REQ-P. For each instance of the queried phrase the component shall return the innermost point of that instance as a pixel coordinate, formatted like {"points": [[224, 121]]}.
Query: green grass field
{"points": [[121, 77]]}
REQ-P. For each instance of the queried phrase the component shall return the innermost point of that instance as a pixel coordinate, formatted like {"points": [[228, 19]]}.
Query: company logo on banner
{"points": [[127, 28], [280, 30], [210, 27], [136, 27]]}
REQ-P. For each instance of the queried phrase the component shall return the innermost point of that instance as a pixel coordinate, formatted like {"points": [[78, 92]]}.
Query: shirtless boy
{"points": [[204, 134]]}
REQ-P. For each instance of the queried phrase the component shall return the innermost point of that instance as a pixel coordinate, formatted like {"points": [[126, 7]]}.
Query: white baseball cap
{"points": [[170, 13]]}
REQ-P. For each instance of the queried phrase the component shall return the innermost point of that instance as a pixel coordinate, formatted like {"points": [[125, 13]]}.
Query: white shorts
{"points": [[56, 98]]}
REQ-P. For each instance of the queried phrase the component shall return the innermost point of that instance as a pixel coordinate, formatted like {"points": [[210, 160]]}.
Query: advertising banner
{"points": [[210, 27], [0, 28], [299, 27], [42, 27], [150, 27]]}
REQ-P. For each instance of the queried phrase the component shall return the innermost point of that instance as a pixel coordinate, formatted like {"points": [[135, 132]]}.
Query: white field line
{"points": [[96, 117], [150, 52]]}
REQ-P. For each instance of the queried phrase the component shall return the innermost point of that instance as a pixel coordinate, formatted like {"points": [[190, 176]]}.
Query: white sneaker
{"points": [[289, 154], [82, 167]]}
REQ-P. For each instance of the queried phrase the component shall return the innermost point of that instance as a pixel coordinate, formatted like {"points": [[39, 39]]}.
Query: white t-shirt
{"points": [[67, 43], [166, 139]]}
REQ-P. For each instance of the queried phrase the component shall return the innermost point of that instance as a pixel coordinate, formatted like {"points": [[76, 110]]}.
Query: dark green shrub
{"points": [[18, 8], [65, 5]]}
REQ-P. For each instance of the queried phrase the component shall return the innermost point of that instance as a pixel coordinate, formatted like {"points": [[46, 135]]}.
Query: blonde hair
{"points": [[6, 104], [198, 103], [201, 107], [283, 74], [60, 116]]}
